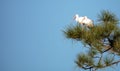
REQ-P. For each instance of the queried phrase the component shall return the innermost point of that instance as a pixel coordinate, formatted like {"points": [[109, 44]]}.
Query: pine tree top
{"points": [[102, 38]]}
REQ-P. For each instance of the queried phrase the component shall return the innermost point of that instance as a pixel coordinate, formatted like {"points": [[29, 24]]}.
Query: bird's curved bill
{"points": [[74, 17]]}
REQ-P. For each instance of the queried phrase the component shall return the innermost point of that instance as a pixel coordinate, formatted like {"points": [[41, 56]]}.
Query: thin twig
{"points": [[107, 50]]}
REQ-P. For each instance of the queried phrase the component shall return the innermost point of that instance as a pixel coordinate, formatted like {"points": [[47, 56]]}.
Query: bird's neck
{"points": [[77, 18]]}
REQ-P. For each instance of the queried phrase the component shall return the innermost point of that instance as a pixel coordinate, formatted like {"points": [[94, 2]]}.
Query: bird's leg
{"points": [[83, 26]]}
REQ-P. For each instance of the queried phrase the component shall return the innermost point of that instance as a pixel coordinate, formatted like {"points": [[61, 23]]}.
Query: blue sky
{"points": [[31, 37]]}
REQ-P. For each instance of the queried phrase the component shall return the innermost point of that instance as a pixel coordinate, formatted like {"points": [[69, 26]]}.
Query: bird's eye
{"points": [[74, 17]]}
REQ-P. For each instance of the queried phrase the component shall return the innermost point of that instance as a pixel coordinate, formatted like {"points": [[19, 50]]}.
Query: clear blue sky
{"points": [[31, 37]]}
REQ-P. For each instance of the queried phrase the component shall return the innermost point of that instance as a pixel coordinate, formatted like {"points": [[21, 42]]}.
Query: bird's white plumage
{"points": [[84, 20]]}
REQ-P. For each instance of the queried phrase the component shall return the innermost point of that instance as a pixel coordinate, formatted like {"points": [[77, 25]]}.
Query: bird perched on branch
{"points": [[84, 20]]}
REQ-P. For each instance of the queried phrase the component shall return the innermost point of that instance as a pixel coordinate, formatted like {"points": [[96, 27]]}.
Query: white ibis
{"points": [[84, 21]]}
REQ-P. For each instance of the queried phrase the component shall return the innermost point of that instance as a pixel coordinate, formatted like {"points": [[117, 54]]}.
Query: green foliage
{"points": [[100, 65], [84, 60], [95, 58], [116, 45], [107, 16], [108, 60], [73, 32], [92, 52]]}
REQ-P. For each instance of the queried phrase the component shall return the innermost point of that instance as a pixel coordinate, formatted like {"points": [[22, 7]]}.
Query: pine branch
{"points": [[100, 58], [111, 64], [107, 49]]}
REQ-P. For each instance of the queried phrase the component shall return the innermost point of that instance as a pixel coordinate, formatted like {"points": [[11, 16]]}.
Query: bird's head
{"points": [[75, 16]]}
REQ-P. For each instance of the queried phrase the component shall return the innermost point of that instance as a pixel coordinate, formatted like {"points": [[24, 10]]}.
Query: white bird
{"points": [[84, 21]]}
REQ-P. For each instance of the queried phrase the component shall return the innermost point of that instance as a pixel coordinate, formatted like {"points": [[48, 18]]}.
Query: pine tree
{"points": [[103, 40]]}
